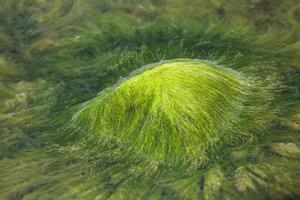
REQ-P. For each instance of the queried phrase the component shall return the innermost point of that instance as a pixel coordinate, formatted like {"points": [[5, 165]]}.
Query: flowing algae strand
{"points": [[175, 111]]}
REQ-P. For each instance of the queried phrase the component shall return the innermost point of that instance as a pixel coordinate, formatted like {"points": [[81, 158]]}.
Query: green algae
{"points": [[57, 54], [177, 111], [8, 71]]}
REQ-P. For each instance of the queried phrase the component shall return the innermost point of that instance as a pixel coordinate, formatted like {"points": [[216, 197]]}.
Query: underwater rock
{"points": [[243, 180], [175, 111], [286, 149], [214, 180]]}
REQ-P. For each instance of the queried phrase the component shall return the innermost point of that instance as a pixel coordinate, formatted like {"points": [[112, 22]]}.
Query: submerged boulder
{"points": [[174, 111]]}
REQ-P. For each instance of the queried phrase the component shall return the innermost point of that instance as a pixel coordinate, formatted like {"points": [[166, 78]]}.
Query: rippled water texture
{"points": [[83, 117]]}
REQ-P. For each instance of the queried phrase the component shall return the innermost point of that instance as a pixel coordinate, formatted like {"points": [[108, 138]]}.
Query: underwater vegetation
{"points": [[149, 99], [178, 111]]}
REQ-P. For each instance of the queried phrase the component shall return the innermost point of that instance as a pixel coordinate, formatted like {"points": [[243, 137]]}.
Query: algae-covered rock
{"points": [[243, 180], [286, 149], [294, 122], [213, 185], [173, 111]]}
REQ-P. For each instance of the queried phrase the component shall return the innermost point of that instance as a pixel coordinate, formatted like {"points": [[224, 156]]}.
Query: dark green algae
{"points": [[56, 55]]}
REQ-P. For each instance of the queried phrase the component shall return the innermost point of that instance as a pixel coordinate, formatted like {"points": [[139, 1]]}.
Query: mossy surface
{"points": [[175, 111]]}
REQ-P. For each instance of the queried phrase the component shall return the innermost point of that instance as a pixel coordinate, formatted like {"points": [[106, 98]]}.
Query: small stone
{"points": [[243, 180], [286, 149]]}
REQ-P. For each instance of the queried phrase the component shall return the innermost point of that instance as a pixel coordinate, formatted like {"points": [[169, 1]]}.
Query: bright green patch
{"points": [[174, 111]]}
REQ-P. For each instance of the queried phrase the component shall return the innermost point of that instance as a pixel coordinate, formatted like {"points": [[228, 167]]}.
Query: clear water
{"points": [[56, 55]]}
